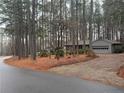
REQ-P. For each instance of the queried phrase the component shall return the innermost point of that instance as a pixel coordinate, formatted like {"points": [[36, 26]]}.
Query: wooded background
{"points": [[35, 25]]}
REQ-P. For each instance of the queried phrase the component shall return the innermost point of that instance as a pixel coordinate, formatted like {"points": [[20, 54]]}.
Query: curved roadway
{"points": [[14, 80]]}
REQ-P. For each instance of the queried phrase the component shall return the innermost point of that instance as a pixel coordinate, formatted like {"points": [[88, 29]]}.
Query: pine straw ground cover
{"points": [[45, 63]]}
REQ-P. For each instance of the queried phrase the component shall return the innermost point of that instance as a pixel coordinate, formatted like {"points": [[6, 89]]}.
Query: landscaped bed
{"points": [[45, 63]]}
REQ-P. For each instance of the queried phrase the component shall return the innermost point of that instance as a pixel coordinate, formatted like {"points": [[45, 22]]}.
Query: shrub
{"points": [[81, 51], [123, 48], [52, 52], [69, 52], [118, 50], [59, 53], [43, 53]]}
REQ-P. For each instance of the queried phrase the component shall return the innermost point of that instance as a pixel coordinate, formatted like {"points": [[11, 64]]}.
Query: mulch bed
{"points": [[45, 63]]}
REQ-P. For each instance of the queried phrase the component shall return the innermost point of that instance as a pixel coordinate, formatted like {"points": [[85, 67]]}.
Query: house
{"points": [[106, 46], [70, 45], [99, 46]]}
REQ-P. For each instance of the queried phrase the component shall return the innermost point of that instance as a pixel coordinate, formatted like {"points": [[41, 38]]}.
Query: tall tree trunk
{"points": [[33, 33], [77, 26], [72, 28], [84, 24], [90, 25]]}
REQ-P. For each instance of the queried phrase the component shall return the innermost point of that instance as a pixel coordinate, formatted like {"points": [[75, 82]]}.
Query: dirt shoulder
{"points": [[103, 69]]}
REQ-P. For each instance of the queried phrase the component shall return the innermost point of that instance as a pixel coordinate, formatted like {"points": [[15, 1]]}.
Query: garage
{"points": [[101, 49], [104, 46]]}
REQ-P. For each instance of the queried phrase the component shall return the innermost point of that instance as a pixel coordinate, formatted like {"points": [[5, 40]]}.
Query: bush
{"points": [[59, 52], [118, 50], [81, 51], [69, 52], [52, 52], [43, 53], [123, 48]]}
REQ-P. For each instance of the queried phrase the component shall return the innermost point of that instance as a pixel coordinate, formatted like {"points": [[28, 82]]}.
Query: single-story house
{"points": [[70, 45], [99, 46]]}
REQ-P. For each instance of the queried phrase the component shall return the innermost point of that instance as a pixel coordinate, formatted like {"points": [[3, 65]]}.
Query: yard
{"points": [[51, 40], [103, 69]]}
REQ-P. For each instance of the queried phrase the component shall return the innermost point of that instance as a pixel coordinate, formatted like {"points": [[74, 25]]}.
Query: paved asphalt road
{"points": [[14, 80]]}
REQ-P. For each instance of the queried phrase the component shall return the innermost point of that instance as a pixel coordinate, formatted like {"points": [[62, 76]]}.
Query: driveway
{"points": [[14, 80], [103, 69]]}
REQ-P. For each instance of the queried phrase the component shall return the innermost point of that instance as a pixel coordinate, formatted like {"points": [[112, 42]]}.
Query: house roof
{"points": [[109, 41], [79, 43], [87, 42]]}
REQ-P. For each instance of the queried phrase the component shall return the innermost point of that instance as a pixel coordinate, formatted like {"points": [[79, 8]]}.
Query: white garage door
{"points": [[101, 49]]}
